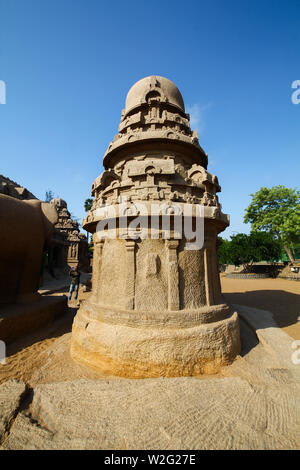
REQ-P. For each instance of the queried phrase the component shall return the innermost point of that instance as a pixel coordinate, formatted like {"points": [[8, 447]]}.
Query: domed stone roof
{"points": [[156, 84], [58, 202]]}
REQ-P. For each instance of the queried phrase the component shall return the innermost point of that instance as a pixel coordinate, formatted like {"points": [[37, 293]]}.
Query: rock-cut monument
{"points": [[26, 225], [156, 307]]}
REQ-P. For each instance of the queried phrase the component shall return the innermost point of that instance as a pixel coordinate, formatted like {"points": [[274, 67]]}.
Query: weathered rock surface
{"points": [[254, 405], [180, 413], [11, 394]]}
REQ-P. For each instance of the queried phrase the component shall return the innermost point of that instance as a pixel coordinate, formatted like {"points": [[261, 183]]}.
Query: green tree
{"points": [[88, 204], [245, 249], [224, 251], [276, 210], [264, 247], [240, 250]]}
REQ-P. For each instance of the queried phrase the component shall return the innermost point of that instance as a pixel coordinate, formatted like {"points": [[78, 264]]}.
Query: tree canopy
{"points": [[245, 249], [88, 204], [224, 251], [276, 210]]}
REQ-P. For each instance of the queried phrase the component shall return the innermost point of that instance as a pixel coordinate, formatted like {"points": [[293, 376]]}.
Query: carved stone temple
{"points": [[156, 307], [68, 246]]}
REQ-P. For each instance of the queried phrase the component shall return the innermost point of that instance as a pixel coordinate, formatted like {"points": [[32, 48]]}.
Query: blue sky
{"points": [[68, 65]]}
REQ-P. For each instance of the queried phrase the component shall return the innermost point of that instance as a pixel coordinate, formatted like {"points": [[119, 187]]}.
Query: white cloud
{"points": [[196, 113]]}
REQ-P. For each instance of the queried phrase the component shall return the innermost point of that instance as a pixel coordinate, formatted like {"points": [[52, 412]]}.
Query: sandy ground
{"points": [[26, 356], [279, 296], [252, 404]]}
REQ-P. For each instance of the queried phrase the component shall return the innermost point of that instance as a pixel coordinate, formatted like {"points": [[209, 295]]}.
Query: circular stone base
{"points": [[155, 348]]}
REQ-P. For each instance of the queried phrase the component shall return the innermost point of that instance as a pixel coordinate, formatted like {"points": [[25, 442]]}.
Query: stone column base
{"points": [[141, 344]]}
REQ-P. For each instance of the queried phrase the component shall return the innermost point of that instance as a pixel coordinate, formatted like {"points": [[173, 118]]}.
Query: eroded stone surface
{"points": [[254, 404], [180, 413], [11, 393]]}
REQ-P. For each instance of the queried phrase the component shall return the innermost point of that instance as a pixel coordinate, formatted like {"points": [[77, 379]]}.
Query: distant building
{"points": [[68, 246]]}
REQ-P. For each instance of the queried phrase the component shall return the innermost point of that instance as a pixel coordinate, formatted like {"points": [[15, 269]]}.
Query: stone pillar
{"points": [[97, 261], [216, 274], [173, 276], [208, 272], [130, 274]]}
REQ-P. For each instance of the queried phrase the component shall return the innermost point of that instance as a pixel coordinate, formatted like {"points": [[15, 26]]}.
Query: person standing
{"points": [[75, 275]]}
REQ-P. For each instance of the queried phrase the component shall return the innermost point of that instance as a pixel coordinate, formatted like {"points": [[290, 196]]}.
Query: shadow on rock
{"points": [[284, 306]]}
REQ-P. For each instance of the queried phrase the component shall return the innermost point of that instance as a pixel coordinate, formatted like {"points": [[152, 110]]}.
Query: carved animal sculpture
{"points": [[24, 228]]}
